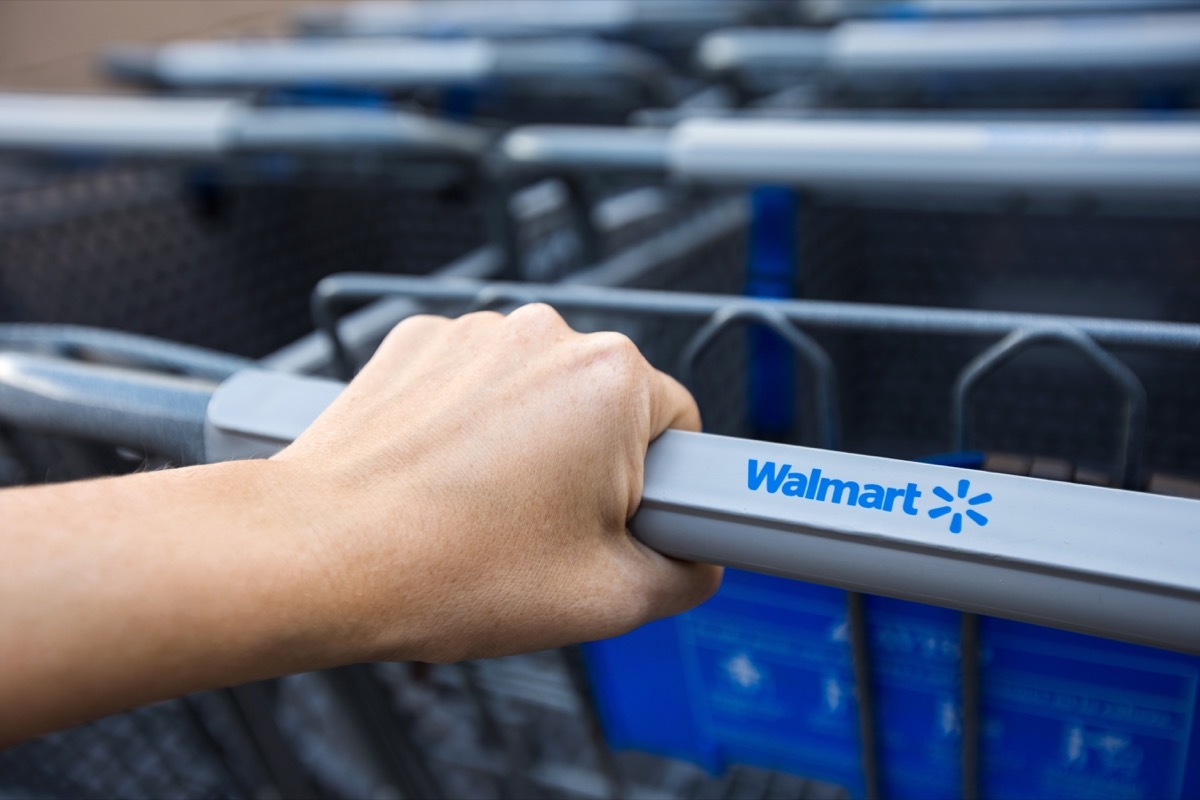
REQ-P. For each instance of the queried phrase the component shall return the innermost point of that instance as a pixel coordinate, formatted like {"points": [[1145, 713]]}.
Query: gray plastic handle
{"points": [[1158, 158], [1098, 561], [996, 45], [826, 11], [518, 17], [389, 64], [205, 128], [151, 126]]}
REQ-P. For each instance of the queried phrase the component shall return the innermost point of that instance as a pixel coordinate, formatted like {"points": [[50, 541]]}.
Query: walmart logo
{"points": [[815, 486], [958, 508]]}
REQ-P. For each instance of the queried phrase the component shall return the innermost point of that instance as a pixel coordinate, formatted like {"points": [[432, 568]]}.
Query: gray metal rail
{"points": [[995, 46], [159, 414], [1055, 554], [392, 64], [1158, 158], [522, 17], [827, 11], [208, 127]]}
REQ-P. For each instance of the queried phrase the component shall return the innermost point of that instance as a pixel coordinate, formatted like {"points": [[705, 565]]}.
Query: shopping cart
{"points": [[208, 221], [1145, 61], [866, 698], [539, 79], [828, 11], [668, 28], [705, 251], [1038, 216]]}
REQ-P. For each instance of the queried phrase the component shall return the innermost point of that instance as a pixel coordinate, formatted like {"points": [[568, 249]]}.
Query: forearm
{"points": [[466, 496], [124, 591]]}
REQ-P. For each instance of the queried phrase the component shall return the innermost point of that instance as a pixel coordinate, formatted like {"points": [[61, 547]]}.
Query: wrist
{"points": [[343, 551], [291, 549]]}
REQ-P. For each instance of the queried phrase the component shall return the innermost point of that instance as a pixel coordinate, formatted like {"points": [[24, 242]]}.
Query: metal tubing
{"points": [[957, 154], [386, 64], [210, 128], [994, 47], [519, 17], [334, 291], [1132, 435], [836, 10], [159, 413], [568, 148], [824, 376], [117, 348], [1152, 158], [972, 713], [138, 125], [864, 691]]}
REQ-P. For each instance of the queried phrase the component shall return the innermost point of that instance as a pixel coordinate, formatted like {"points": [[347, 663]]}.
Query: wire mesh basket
{"points": [[770, 672]]}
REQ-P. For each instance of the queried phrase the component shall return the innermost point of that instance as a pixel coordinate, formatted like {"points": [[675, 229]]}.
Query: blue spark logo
{"points": [[955, 505]]}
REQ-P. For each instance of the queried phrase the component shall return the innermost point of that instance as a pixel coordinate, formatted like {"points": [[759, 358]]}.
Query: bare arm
{"points": [[466, 496]]}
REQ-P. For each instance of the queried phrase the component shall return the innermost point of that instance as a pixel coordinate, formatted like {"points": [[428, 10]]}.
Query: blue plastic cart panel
{"points": [[761, 675]]}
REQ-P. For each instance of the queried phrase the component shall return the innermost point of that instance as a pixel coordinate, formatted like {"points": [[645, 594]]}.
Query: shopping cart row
{"points": [[831, 234]]}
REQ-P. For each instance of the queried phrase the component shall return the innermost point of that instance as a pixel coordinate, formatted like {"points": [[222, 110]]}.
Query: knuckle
{"points": [[410, 326], [620, 348], [623, 356], [537, 314], [478, 318]]}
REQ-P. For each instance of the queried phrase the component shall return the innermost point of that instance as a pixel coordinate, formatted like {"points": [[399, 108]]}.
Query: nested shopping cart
{"points": [[785, 675], [667, 27], [1142, 61], [829, 11], [735, 698], [538, 79], [1050, 160]]}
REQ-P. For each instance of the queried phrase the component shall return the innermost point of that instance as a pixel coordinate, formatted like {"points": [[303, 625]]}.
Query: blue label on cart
{"points": [[762, 675], [956, 503]]}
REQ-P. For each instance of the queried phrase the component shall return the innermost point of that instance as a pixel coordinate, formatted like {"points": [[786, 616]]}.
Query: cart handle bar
{"points": [[1063, 555]]}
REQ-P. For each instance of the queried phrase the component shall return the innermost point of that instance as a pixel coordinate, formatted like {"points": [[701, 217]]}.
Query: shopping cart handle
{"points": [[564, 148], [517, 17], [1158, 158], [827, 11], [889, 48], [152, 412], [1099, 561], [149, 126], [1141, 158], [386, 64], [396, 133], [206, 128], [796, 52]]}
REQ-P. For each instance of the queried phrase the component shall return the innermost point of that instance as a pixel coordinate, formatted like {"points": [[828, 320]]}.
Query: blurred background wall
{"points": [[53, 44]]}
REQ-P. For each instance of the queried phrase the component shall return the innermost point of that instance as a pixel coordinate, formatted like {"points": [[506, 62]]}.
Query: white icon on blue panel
{"points": [[955, 505], [742, 671]]}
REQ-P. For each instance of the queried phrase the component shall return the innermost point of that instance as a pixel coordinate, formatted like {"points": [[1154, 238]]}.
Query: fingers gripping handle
{"points": [[1099, 561]]}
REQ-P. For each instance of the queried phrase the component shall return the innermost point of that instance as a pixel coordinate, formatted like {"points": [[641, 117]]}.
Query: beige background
{"points": [[53, 44]]}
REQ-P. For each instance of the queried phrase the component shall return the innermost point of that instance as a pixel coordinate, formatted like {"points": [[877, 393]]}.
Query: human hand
{"points": [[470, 490]]}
